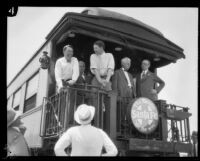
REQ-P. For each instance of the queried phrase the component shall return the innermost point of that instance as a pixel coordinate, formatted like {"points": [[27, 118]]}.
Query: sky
{"points": [[26, 32]]}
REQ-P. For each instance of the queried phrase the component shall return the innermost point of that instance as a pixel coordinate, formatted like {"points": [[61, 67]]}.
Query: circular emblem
{"points": [[144, 115]]}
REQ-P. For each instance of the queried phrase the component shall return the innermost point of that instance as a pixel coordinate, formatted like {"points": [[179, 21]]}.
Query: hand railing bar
{"points": [[177, 106], [185, 126], [120, 116], [59, 109], [66, 109], [87, 85], [55, 115], [43, 117], [63, 108], [80, 89], [98, 109], [48, 114], [102, 111], [181, 128], [75, 102], [188, 130]]}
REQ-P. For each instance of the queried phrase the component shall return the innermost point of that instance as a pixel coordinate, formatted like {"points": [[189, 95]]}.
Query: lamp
{"points": [[118, 48], [44, 60], [156, 59], [71, 34]]}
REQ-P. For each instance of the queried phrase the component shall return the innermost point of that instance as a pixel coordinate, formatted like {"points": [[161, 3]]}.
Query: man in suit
{"points": [[146, 82], [83, 80], [83, 77], [122, 83]]}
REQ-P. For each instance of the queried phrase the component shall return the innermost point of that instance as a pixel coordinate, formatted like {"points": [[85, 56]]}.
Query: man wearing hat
{"points": [[16, 143], [85, 140]]}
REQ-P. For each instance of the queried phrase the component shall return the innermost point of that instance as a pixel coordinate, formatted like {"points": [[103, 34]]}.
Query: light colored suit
{"points": [[145, 85]]}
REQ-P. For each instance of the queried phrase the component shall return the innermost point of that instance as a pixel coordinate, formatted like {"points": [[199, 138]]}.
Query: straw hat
{"points": [[84, 114], [12, 116]]}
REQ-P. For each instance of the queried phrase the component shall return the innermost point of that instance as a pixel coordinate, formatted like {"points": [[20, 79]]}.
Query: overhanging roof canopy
{"points": [[119, 29]]}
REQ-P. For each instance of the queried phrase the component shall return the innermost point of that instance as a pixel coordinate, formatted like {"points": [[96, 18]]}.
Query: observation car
{"points": [[157, 128]]}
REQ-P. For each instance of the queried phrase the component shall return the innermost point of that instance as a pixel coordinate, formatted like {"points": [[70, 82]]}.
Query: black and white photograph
{"points": [[102, 81]]}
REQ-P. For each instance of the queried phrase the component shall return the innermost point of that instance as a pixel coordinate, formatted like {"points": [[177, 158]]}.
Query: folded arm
{"points": [[161, 83]]}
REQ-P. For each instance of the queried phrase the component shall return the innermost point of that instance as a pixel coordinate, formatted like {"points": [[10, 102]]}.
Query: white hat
{"points": [[12, 116], [84, 114]]}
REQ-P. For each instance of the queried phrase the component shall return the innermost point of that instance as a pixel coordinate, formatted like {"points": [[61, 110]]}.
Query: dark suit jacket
{"points": [[120, 84], [146, 84], [87, 79]]}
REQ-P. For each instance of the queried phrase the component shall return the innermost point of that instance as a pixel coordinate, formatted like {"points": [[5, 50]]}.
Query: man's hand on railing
{"points": [[60, 89], [71, 82]]}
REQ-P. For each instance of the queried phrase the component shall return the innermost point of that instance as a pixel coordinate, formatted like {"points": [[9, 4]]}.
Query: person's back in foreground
{"points": [[86, 140]]}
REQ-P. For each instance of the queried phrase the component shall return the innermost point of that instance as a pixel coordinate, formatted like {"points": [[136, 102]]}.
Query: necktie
{"points": [[143, 74], [127, 78]]}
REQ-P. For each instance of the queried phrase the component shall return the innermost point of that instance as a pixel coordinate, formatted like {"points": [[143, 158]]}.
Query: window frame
{"points": [[18, 105], [34, 94]]}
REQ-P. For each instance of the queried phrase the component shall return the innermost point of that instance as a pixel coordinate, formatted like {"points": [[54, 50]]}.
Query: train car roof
{"points": [[118, 28], [121, 29]]}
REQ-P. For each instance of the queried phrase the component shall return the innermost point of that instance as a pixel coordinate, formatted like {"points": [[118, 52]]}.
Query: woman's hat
{"points": [[84, 114]]}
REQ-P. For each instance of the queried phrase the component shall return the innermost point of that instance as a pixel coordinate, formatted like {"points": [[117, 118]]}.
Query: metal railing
{"points": [[125, 127], [58, 110], [177, 127]]}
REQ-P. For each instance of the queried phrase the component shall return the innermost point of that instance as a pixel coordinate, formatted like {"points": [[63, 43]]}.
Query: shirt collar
{"points": [[123, 69], [88, 125], [68, 61], [101, 53], [145, 71]]}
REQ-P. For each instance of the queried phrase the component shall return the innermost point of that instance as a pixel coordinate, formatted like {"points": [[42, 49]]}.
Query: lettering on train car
{"points": [[144, 115]]}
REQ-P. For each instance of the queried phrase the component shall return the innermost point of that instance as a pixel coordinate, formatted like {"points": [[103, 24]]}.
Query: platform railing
{"points": [[177, 128], [58, 110], [125, 127]]}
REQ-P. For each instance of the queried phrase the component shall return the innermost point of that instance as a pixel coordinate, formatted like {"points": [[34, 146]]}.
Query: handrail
{"points": [[56, 114]]}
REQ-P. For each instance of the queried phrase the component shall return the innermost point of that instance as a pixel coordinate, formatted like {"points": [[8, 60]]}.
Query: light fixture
{"points": [[71, 34], [156, 59], [118, 49]]}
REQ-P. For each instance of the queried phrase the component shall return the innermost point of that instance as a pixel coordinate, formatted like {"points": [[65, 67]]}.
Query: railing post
{"points": [[66, 109], [188, 126], [163, 121], [112, 114], [43, 118]]}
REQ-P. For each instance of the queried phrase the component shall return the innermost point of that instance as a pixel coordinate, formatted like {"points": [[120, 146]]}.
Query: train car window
{"points": [[31, 93], [9, 100], [16, 99]]}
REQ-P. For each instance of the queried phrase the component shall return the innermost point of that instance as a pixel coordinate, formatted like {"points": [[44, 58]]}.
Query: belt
{"points": [[104, 76]]}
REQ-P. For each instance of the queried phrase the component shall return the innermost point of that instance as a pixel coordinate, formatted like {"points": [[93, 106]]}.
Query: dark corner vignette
{"points": [[12, 8]]}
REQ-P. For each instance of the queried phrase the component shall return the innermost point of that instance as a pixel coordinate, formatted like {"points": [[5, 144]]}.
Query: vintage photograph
{"points": [[102, 81]]}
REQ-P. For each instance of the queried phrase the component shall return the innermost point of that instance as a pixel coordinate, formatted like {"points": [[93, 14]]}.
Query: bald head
{"points": [[126, 63]]}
